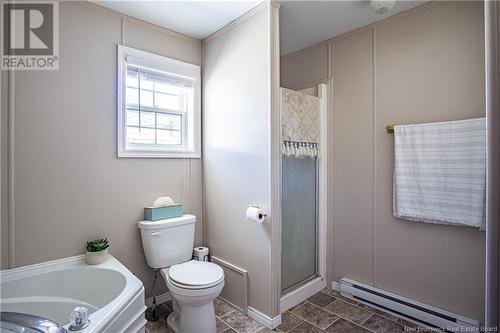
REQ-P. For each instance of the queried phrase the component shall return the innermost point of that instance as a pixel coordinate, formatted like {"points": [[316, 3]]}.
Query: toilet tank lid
{"points": [[167, 223]]}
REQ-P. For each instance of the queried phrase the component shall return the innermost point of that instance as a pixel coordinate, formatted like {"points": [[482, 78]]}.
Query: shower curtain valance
{"points": [[300, 118]]}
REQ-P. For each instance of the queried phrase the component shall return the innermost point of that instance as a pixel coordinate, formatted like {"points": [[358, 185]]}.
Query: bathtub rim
{"points": [[105, 315]]}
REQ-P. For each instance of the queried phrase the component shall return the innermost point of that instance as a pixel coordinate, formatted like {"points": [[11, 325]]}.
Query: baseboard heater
{"points": [[413, 310]]}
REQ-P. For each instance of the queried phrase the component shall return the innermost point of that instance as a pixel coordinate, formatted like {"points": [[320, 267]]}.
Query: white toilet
{"points": [[193, 285]]}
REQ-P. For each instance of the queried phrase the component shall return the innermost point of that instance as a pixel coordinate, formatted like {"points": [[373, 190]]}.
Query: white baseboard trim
{"points": [[336, 286], [264, 319], [160, 299]]}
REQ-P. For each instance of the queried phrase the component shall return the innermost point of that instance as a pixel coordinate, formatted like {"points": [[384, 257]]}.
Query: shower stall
{"points": [[302, 216]]}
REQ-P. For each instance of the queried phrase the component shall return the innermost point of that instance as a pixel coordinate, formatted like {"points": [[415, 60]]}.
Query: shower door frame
{"points": [[314, 285]]}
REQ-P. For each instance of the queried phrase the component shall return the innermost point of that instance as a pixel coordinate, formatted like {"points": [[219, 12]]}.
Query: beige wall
{"points": [[69, 186], [353, 158], [443, 79], [236, 156], [422, 66], [305, 68], [4, 232]]}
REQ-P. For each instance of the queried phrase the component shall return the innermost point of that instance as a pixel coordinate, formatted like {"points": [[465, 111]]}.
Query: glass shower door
{"points": [[299, 227], [299, 194]]}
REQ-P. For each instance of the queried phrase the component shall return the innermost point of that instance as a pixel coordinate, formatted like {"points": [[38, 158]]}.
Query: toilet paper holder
{"points": [[255, 214]]}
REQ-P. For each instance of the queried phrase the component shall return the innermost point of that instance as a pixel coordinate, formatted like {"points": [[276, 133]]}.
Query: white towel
{"points": [[440, 172]]}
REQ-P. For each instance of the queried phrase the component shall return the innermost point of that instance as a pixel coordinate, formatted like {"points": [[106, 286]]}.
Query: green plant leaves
{"points": [[97, 245]]}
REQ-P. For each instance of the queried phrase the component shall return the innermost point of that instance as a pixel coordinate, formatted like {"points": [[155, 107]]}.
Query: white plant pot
{"points": [[96, 258]]}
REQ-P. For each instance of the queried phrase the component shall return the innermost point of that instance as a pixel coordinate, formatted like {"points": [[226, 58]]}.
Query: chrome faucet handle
{"points": [[79, 318], [22, 322]]}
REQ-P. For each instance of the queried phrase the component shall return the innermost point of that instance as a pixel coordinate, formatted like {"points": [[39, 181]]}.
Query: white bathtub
{"points": [[113, 295]]}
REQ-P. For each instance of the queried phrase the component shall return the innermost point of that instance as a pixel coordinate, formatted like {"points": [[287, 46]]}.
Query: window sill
{"points": [[159, 155]]}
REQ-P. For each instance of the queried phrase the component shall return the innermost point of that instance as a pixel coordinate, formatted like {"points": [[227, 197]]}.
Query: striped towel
{"points": [[440, 172]]}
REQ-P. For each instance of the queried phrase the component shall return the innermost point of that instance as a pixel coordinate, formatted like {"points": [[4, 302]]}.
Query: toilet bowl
{"points": [[193, 286]]}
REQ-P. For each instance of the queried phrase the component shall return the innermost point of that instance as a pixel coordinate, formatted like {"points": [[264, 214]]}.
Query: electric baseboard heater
{"points": [[413, 310]]}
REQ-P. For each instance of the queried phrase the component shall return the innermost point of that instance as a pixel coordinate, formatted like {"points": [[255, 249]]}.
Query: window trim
{"points": [[158, 63]]}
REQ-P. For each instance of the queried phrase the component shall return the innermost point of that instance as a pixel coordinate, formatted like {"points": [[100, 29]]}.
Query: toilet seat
{"points": [[195, 275]]}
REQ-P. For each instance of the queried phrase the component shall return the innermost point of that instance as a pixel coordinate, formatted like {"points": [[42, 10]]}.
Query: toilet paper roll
{"points": [[200, 253], [163, 201], [255, 214]]}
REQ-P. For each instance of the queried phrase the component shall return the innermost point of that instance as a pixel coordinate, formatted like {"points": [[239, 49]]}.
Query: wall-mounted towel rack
{"points": [[390, 128]]}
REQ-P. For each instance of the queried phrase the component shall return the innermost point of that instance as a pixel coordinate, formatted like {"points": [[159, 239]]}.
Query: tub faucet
{"points": [[22, 322]]}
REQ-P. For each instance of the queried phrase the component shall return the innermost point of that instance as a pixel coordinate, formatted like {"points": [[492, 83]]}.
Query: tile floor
{"points": [[325, 311]]}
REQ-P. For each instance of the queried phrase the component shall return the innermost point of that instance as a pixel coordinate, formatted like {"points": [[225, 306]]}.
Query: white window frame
{"points": [[191, 121]]}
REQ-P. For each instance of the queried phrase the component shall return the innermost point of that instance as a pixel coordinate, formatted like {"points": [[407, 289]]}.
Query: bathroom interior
{"points": [[247, 166]]}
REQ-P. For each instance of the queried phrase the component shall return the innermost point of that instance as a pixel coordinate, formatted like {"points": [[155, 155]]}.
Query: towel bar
{"points": [[390, 128]]}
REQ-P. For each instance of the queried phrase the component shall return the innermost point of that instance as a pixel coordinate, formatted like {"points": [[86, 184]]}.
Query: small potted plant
{"points": [[97, 251]]}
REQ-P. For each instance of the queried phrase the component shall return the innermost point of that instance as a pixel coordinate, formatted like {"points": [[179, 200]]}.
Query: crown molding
{"points": [[237, 21], [92, 5], [276, 3]]}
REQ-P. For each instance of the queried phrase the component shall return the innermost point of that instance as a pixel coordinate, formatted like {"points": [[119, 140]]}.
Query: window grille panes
{"points": [[159, 106], [132, 118], [132, 95], [168, 137], [146, 98], [167, 101], [141, 135], [169, 121], [156, 107]]}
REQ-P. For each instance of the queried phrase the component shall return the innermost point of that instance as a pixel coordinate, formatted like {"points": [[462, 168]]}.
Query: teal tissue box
{"points": [[161, 213]]}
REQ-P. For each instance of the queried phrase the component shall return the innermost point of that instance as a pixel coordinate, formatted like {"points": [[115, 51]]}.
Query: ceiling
{"points": [[304, 23], [196, 19]]}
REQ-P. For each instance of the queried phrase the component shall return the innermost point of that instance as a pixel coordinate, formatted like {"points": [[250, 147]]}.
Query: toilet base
{"points": [[198, 319], [191, 322], [173, 322], [193, 310]]}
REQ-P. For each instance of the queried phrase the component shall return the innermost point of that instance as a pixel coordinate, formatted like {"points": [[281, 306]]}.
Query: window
{"points": [[158, 106]]}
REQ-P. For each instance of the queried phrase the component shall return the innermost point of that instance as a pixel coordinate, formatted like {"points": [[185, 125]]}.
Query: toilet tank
{"points": [[168, 242]]}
